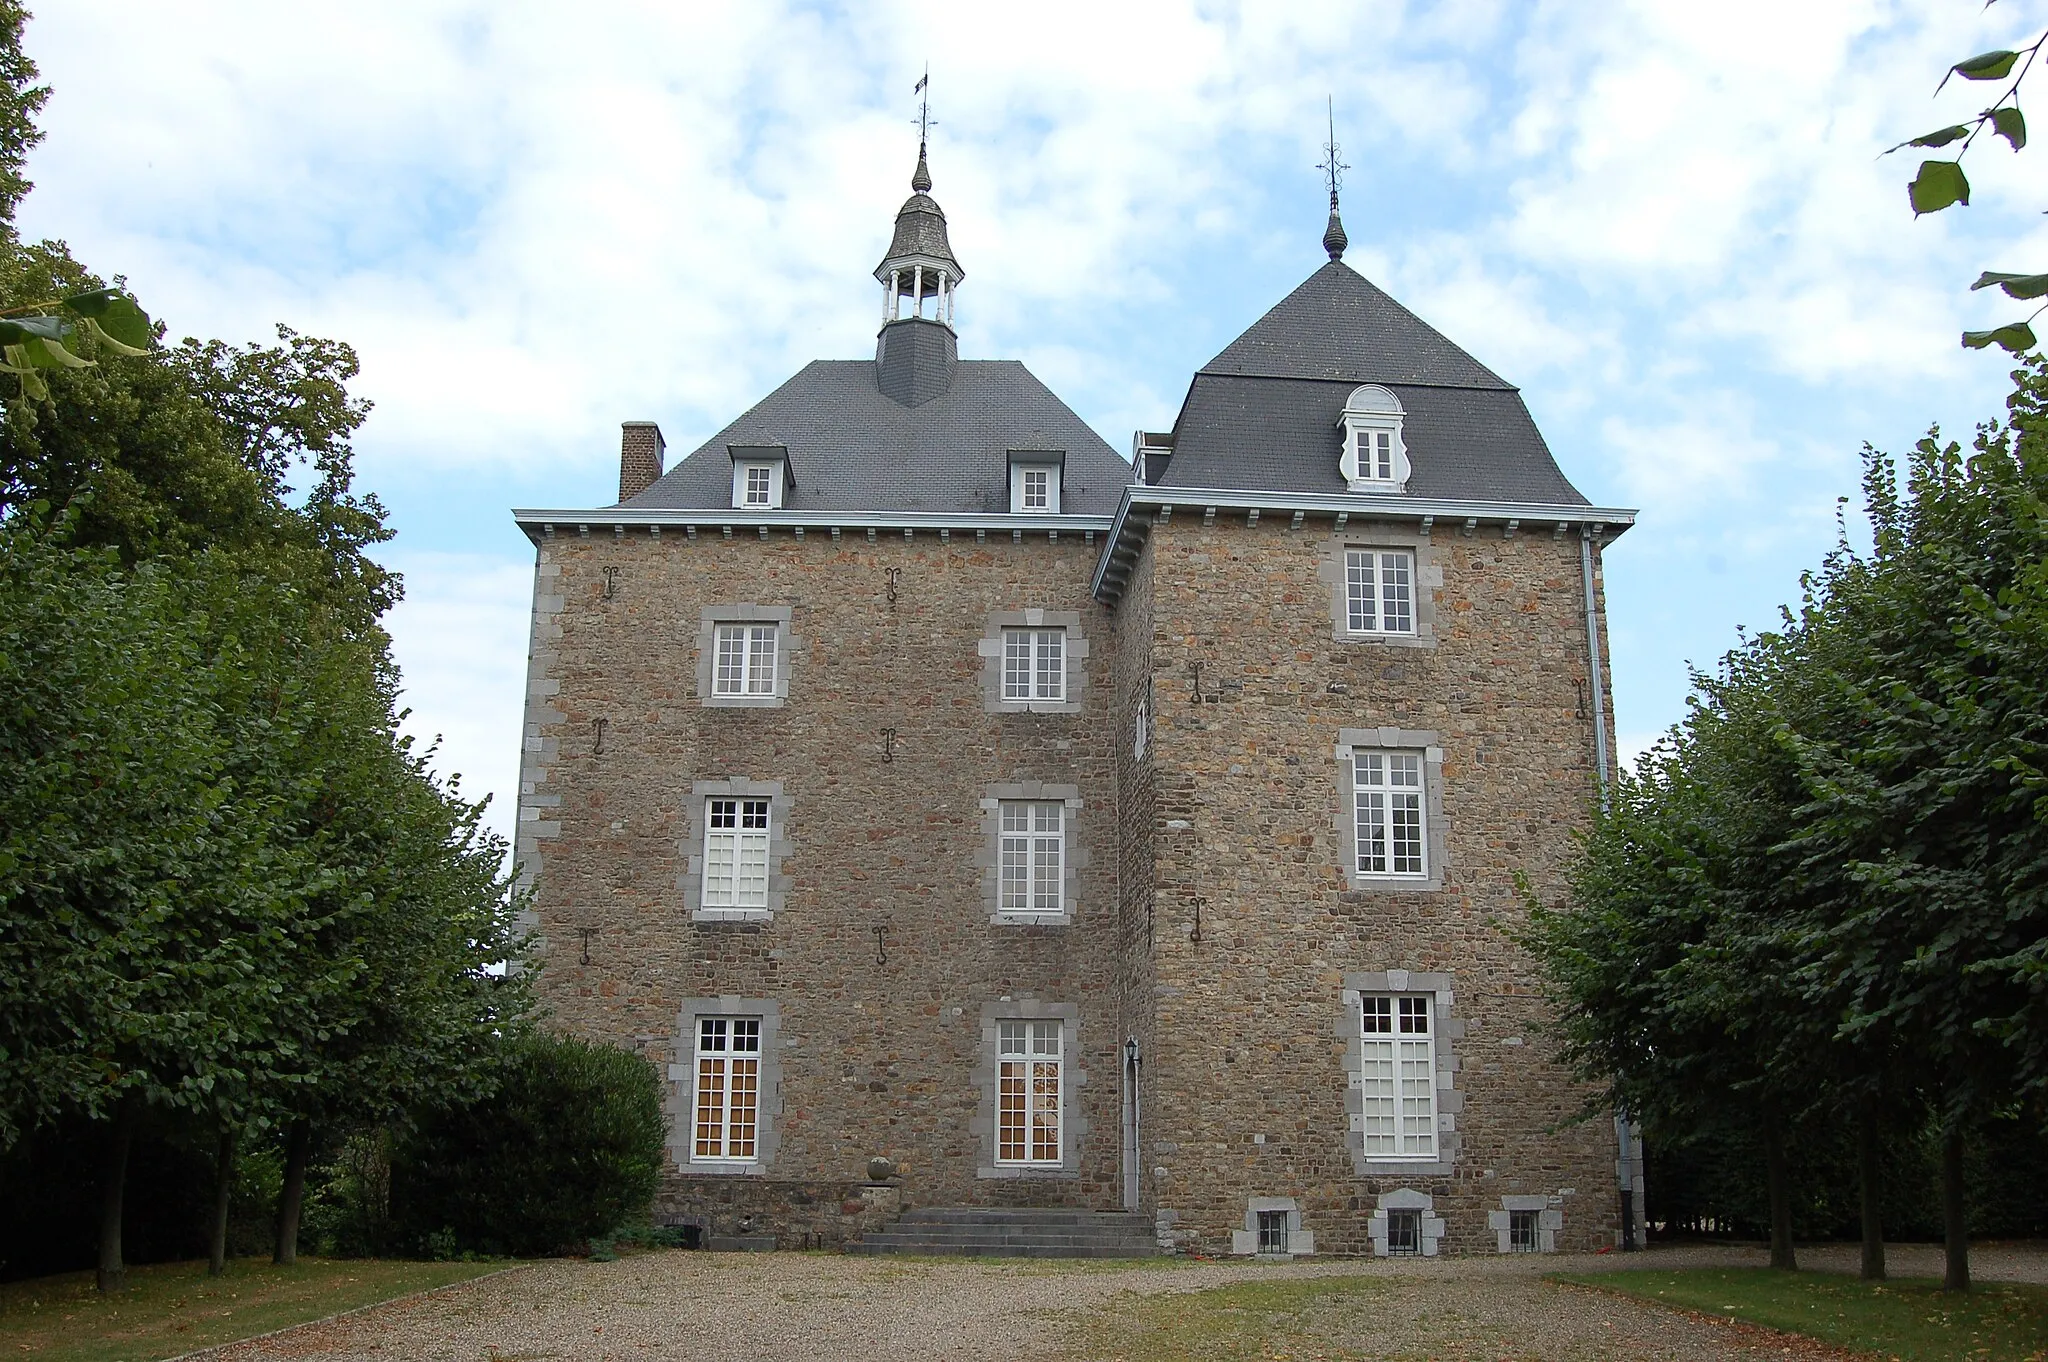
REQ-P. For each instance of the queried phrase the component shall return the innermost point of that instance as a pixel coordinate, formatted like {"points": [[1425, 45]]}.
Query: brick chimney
{"points": [[640, 450]]}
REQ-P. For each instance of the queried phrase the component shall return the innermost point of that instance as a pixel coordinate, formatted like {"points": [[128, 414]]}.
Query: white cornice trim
{"points": [[1607, 521], [538, 523]]}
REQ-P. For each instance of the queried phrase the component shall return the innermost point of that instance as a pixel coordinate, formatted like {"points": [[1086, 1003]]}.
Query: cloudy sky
{"points": [[1668, 223]]}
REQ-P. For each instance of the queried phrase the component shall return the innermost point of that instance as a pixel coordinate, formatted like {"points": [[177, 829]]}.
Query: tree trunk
{"points": [[223, 1188], [297, 1151], [1870, 1179], [113, 1272], [1955, 1228], [1780, 1177]]}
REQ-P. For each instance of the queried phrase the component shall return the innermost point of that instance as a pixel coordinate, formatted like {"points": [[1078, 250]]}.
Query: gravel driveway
{"points": [[792, 1307]]}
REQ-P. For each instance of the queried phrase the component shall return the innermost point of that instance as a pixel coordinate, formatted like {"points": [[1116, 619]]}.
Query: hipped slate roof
{"points": [[1264, 414], [853, 449]]}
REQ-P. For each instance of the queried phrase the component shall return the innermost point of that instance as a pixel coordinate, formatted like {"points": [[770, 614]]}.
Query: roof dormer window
{"points": [[760, 475], [1035, 481], [1374, 457]]}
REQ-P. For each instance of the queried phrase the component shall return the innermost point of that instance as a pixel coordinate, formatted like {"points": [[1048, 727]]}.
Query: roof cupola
{"points": [[919, 268], [1334, 240]]}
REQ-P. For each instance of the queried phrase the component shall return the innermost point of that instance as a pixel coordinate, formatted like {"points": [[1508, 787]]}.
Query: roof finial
{"points": [[1334, 240], [921, 179]]}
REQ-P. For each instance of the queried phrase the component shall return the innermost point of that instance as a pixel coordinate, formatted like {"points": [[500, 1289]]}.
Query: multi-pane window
{"points": [[1032, 855], [1523, 1235], [1376, 455], [1028, 1092], [728, 1087], [736, 853], [1404, 1231], [1035, 664], [1398, 1077], [758, 485], [1379, 591], [1037, 489], [745, 664], [1387, 799]]}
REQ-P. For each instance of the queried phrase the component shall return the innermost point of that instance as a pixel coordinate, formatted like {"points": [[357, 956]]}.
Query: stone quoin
{"points": [[910, 777]]}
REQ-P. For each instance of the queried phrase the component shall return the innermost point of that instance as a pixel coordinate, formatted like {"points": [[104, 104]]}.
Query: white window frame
{"points": [[1030, 1127], [742, 668], [1042, 676], [1397, 1077], [727, 1057], [1390, 813], [739, 832], [1021, 490], [1031, 857], [1379, 592], [1372, 423], [743, 489]]}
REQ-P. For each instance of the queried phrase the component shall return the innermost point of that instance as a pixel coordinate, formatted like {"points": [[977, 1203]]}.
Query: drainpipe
{"points": [[1593, 662]]}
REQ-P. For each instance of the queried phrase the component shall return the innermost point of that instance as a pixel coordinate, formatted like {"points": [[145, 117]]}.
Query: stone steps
{"points": [[967, 1231]]}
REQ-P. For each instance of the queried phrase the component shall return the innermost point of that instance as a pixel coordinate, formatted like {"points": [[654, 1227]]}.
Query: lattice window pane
{"points": [[728, 1087], [1361, 596], [730, 676], [1037, 488], [1017, 665], [761, 660], [1388, 813], [1028, 1092], [1052, 664], [736, 853], [757, 487], [1383, 455], [1397, 593]]}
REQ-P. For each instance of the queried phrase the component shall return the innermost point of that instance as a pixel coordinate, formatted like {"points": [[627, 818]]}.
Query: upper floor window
{"points": [[1388, 803], [759, 475], [1035, 664], [1035, 481], [759, 491], [1032, 856], [1379, 591], [736, 844], [746, 659], [1397, 1076], [1374, 457]]}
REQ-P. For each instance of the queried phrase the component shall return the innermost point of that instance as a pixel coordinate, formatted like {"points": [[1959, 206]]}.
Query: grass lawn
{"points": [[1302, 1320], [1908, 1319], [174, 1308]]}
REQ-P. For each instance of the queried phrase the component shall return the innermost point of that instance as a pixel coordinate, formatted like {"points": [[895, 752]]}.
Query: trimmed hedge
{"points": [[567, 1149]]}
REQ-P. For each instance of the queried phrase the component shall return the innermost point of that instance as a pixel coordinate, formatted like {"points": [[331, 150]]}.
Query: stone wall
{"points": [[881, 957], [1246, 1077]]}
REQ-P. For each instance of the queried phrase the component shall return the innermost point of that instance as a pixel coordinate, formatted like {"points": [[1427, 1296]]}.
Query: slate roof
{"points": [[851, 448], [1264, 414], [920, 231]]}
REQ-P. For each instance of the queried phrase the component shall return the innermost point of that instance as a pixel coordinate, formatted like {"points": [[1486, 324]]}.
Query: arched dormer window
{"points": [[1374, 459]]}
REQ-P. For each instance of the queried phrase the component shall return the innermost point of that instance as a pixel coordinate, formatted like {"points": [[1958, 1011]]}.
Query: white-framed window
{"points": [[1032, 855], [727, 1093], [1035, 488], [1379, 591], [1374, 457], [746, 659], [757, 486], [1398, 1076], [1029, 1092], [736, 833], [1035, 664], [1388, 804]]}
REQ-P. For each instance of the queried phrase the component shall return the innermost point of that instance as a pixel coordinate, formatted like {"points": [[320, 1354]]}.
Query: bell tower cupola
{"points": [[916, 350]]}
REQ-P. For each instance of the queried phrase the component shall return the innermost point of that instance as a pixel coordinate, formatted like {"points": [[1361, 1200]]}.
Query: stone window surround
{"points": [[1073, 856], [1073, 1120], [991, 650], [1434, 853], [692, 878], [1245, 1242], [1429, 579], [682, 1075], [744, 612], [1549, 1220], [1449, 1100], [1405, 1199]]}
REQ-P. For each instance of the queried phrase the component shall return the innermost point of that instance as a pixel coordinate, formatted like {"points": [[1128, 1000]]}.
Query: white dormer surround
{"points": [[760, 475], [1374, 458], [1035, 481]]}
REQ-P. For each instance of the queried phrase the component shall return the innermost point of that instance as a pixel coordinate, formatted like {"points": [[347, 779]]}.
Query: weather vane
{"points": [[924, 104], [1330, 165]]}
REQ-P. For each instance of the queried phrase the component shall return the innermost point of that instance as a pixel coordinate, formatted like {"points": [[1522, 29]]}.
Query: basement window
{"points": [[1404, 1232], [1272, 1231], [1523, 1236]]}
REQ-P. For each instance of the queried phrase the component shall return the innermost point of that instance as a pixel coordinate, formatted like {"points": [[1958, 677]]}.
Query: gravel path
{"points": [[790, 1307]]}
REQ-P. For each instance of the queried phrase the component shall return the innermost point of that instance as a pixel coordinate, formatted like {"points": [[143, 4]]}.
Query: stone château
{"points": [[909, 776]]}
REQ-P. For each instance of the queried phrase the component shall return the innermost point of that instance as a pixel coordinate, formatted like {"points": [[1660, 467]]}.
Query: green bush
{"points": [[567, 1149]]}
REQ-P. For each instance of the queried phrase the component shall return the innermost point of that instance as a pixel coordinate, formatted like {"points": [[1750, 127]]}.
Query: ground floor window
{"points": [[1398, 1077], [1523, 1236], [1029, 1093], [728, 1090], [1404, 1232], [1272, 1231]]}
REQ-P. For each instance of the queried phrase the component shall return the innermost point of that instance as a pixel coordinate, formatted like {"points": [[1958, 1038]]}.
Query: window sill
{"points": [[1032, 1171], [733, 915], [745, 701], [1415, 640], [1030, 919], [1394, 883], [726, 1168], [1037, 707], [1388, 1168]]}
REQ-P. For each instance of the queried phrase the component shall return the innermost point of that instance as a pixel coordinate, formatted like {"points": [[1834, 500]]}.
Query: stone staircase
{"points": [[975, 1232]]}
